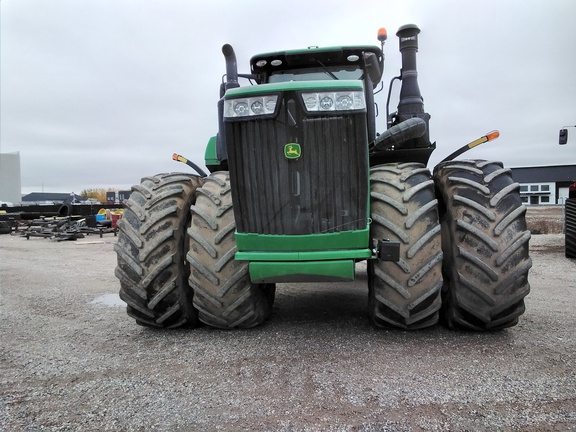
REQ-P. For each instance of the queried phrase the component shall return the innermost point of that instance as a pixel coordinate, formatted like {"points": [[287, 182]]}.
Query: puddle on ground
{"points": [[110, 300]]}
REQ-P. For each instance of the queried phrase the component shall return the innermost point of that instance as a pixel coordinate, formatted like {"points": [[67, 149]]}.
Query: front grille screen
{"points": [[322, 190]]}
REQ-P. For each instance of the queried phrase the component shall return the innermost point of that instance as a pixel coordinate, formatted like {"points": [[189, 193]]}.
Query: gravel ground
{"points": [[71, 359]]}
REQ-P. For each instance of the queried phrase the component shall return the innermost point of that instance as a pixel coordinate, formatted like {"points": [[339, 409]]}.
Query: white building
{"points": [[544, 184], [10, 183]]}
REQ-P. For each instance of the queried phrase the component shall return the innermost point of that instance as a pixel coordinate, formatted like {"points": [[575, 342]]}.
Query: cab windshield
{"points": [[315, 74]]}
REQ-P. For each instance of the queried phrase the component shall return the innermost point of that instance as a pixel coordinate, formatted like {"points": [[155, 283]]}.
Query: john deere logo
{"points": [[292, 151]]}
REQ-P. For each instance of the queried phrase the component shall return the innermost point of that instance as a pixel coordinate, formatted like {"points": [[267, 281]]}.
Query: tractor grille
{"points": [[324, 190]]}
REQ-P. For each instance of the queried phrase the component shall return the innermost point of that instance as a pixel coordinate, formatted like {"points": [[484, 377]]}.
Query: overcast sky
{"points": [[98, 93]]}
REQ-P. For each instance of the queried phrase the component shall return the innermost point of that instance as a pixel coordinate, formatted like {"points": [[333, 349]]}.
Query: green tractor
{"points": [[302, 188]]}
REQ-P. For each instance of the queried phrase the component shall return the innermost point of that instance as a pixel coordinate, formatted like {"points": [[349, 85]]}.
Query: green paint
{"points": [[315, 86], [344, 240], [312, 271], [210, 157], [313, 50], [304, 256]]}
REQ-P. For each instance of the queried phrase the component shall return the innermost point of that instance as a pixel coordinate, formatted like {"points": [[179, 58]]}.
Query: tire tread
{"points": [[486, 253], [151, 251], [224, 294], [405, 294]]}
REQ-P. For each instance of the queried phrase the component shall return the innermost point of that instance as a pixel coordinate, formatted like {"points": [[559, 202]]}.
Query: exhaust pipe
{"points": [[231, 67], [411, 103], [231, 82]]}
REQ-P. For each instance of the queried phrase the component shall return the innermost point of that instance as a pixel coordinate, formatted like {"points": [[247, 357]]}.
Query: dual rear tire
{"points": [[175, 254], [463, 246]]}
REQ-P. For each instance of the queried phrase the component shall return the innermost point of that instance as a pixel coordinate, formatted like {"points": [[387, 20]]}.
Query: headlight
{"points": [[254, 106], [334, 101]]}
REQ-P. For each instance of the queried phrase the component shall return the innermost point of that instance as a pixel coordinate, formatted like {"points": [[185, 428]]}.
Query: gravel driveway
{"points": [[71, 359]]}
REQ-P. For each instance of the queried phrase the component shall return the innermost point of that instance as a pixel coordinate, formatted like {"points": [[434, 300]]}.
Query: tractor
{"points": [[570, 222], [302, 188], [569, 207]]}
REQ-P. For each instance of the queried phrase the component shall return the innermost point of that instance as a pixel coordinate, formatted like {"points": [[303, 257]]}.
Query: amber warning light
{"points": [[382, 34], [492, 135], [488, 137]]}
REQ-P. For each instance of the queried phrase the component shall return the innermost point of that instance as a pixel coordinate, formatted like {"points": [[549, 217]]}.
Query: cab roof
{"points": [[269, 63]]}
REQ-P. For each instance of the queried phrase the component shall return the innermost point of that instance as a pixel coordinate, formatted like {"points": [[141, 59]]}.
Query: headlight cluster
{"points": [[253, 106], [334, 101]]}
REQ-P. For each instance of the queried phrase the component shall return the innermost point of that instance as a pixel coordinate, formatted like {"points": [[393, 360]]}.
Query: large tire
{"points": [[485, 242], [405, 294], [151, 251], [5, 227], [570, 228], [223, 292]]}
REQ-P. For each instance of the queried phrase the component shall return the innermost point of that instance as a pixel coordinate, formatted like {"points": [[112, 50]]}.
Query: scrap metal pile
{"points": [[64, 228], [59, 222]]}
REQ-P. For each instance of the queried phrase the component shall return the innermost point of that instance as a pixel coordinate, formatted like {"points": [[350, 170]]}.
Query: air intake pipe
{"points": [[411, 103]]}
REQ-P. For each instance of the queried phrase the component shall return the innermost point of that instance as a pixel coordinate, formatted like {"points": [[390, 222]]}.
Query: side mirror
{"points": [[563, 136], [372, 67]]}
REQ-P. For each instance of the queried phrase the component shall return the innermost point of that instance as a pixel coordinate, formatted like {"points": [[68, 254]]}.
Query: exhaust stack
{"points": [[231, 67], [231, 82]]}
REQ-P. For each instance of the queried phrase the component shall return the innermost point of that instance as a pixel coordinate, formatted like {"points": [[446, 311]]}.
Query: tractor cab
{"points": [[337, 63], [326, 81], [352, 63]]}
